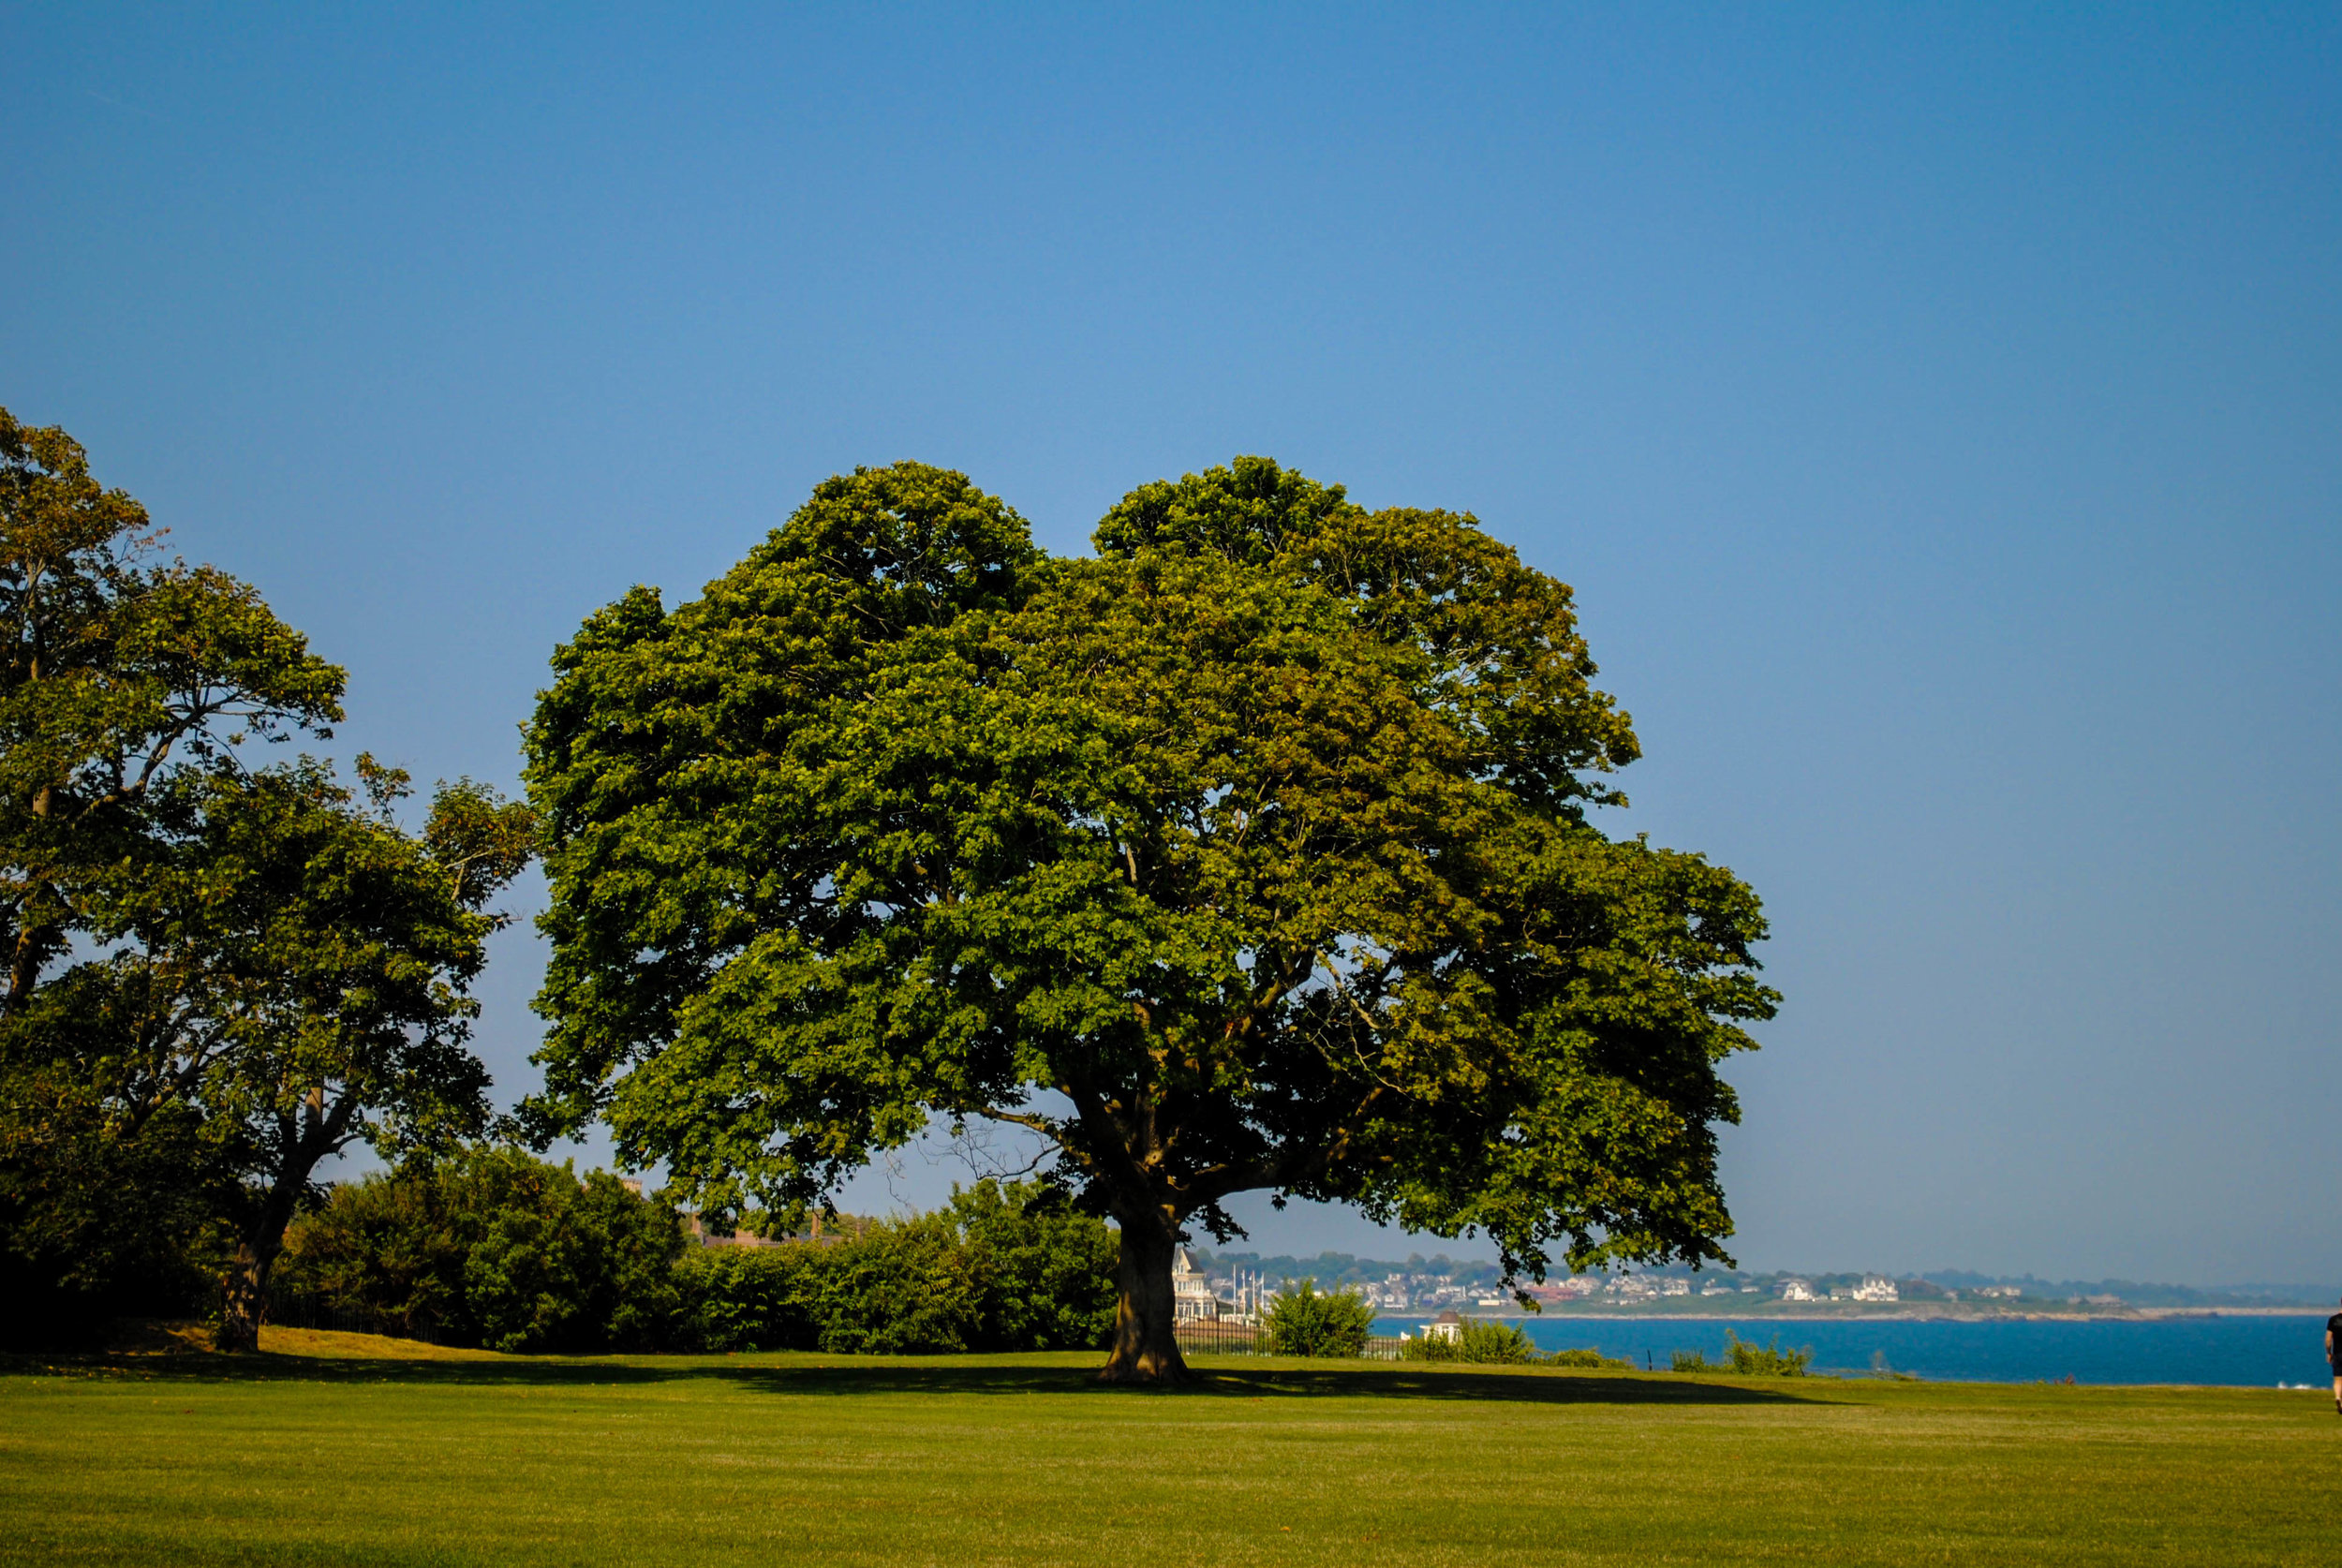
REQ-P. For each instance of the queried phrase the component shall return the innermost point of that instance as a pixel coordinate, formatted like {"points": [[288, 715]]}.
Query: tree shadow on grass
{"points": [[812, 1375], [1220, 1382]]}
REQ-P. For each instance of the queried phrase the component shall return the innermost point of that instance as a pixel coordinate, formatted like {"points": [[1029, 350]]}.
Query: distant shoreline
{"points": [[1915, 1312]]}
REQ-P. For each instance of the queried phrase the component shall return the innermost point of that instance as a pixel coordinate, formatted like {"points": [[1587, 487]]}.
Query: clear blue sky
{"points": [[1939, 410]]}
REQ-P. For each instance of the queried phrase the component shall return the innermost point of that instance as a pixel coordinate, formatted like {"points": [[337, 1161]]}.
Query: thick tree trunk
{"points": [[244, 1288], [244, 1297], [1144, 1348]]}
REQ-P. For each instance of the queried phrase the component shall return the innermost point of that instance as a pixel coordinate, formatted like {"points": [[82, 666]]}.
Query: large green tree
{"points": [[1252, 853]]}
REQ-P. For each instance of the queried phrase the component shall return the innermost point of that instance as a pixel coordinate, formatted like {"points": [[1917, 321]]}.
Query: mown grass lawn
{"points": [[364, 1451]]}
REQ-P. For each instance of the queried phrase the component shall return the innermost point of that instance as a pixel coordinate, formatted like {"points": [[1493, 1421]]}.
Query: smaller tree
{"points": [[298, 966], [124, 675], [1302, 1321]]}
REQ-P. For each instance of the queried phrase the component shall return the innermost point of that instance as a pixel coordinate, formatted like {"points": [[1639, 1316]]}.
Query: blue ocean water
{"points": [[2247, 1352]]}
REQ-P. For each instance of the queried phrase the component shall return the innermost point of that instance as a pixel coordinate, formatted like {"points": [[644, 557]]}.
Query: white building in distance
{"points": [[1192, 1299]]}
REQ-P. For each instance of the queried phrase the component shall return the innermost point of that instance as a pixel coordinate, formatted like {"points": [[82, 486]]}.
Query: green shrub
{"points": [[1746, 1359], [1588, 1357], [1765, 1361], [1476, 1341], [489, 1248], [896, 1289], [1004, 1268], [1429, 1347], [900, 1288], [1302, 1321], [1046, 1270], [739, 1298], [1495, 1344], [498, 1250]]}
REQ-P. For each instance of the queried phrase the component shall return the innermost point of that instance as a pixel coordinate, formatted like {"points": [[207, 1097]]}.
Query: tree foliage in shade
{"points": [[488, 1247], [219, 973], [1006, 1267], [125, 676], [1252, 853], [298, 968]]}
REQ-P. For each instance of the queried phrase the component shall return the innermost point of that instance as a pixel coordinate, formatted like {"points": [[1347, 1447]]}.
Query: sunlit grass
{"points": [[368, 1451]]}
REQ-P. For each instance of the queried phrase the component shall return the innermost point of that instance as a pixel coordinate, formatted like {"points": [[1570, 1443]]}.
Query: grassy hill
{"points": [[340, 1449]]}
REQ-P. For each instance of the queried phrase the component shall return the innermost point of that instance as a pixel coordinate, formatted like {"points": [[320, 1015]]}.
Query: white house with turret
{"points": [[1192, 1299]]}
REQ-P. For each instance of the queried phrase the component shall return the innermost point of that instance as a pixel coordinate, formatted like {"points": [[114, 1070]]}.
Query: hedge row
{"points": [[497, 1250]]}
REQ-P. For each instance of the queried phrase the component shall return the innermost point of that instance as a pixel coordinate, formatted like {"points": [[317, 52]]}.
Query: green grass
{"points": [[346, 1455]]}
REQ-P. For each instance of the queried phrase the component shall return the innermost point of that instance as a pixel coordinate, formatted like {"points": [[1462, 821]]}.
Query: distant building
{"points": [[1675, 1287], [705, 1237], [1192, 1297], [1875, 1287], [1797, 1290], [1576, 1288], [1448, 1326]]}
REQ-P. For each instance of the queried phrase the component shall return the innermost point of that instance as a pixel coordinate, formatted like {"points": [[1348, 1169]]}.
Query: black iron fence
{"points": [[1217, 1337]]}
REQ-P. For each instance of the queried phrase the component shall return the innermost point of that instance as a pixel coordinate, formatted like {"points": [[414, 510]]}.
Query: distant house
{"points": [[1675, 1287], [1448, 1326], [705, 1237], [1875, 1287], [1192, 1297], [1797, 1290]]}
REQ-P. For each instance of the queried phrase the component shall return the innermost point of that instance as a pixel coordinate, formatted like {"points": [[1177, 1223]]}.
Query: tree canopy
{"points": [[218, 972], [1253, 853], [120, 671]]}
